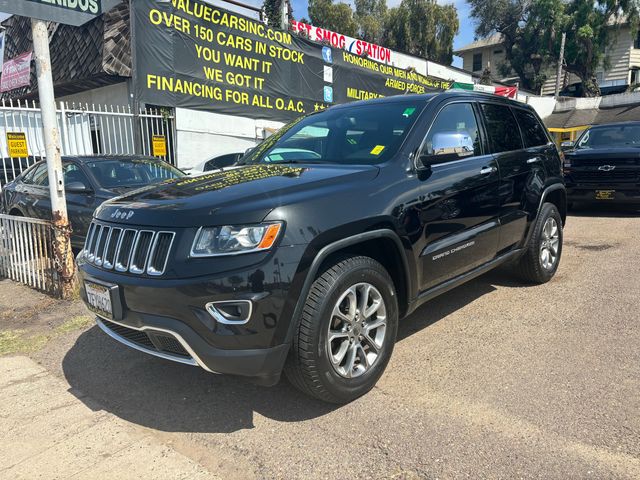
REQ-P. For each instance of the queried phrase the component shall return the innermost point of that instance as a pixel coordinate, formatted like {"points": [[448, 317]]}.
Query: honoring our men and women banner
{"points": [[194, 55]]}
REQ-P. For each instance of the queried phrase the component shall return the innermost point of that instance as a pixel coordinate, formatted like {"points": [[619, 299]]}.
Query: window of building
{"points": [[502, 128], [497, 52], [636, 42], [477, 62]]}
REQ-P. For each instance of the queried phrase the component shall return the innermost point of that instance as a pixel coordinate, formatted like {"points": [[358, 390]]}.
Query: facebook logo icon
{"points": [[328, 94], [326, 54]]}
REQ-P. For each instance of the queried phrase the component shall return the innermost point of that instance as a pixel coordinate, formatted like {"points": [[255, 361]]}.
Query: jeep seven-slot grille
{"points": [[127, 249]]}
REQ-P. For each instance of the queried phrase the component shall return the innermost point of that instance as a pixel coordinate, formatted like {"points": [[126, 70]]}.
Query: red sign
{"points": [[343, 42], [509, 92], [16, 72]]}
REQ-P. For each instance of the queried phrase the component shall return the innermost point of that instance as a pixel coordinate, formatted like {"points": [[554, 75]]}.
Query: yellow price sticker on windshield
{"points": [[377, 150]]}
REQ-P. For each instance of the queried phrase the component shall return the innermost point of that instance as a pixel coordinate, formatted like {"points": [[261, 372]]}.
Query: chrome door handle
{"points": [[487, 170], [534, 160]]}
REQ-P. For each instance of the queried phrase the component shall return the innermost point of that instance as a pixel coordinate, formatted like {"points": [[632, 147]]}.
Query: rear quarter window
{"points": [[502, 128], [533, 133]]}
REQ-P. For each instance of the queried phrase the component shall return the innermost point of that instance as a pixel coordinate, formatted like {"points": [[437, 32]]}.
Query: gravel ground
{"points": [[494, 379]]}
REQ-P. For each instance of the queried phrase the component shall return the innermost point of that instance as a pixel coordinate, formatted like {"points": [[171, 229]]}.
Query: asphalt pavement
{"points": [[496, 379]]}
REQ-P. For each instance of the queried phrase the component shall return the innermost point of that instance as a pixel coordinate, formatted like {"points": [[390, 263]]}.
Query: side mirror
{"points": [[447, 146], [568, 145], [76, 187]]}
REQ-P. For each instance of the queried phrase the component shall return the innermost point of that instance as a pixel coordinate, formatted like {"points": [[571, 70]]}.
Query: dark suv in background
{"points": [[604, 165], [305, 257]]}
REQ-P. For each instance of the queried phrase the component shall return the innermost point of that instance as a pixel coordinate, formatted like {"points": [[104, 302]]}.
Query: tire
{"points": [[532, 266], [309, 366]]}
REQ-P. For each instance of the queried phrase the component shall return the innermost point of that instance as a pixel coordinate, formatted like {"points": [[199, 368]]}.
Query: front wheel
{"points": [[346, 333], [542, 256]]}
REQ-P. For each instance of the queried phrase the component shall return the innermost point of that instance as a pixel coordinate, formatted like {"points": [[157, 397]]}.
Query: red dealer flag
{"points": [[16, 72]]}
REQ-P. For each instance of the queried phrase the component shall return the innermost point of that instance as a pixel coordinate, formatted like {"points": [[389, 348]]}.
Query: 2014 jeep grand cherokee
{"points": [[305, 256]]}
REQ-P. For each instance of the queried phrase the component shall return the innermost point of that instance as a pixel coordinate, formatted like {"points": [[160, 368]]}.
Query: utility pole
{"points": [[63, 257], [560, 62], [284, 14]]}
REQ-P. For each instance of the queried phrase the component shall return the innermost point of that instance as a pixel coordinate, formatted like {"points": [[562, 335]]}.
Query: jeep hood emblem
{"points": [[122, 214]]}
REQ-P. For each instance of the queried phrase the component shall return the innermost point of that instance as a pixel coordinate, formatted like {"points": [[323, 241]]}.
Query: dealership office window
{"points": [[477, 62]]}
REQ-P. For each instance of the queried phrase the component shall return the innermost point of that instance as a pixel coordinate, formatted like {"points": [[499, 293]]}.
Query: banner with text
{"points": [[194, 55]]}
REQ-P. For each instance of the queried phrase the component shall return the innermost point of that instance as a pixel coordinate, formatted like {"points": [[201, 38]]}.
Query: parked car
{"points": [[89, 181], [307, 263], [604, 165], [10, 168]]}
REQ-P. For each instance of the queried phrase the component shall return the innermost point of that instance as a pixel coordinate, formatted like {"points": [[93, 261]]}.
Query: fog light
{"points": [[230, 312]]}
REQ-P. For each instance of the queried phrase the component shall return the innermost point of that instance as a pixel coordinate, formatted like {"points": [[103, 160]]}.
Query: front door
{"points": [[459, 212]]}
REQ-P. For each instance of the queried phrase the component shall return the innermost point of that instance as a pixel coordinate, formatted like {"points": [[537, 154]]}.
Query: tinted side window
{"points": [[533, 133], [40, 176], [454, 133], [73, 174], [502, 128]]}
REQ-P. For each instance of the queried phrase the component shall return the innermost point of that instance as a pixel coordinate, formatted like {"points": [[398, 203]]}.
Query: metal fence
{"points": [[26, 253], [84, 130]]}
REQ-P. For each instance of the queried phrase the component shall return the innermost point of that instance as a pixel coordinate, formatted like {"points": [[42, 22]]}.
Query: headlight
{"points": [[232, 240]]}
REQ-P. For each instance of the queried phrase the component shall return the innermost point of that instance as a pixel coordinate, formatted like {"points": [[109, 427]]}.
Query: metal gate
{"points": [[26, 253], [84, 130]]}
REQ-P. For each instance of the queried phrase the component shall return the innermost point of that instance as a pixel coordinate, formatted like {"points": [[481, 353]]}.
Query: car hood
{"points": [[239, 195], [605, 155]]}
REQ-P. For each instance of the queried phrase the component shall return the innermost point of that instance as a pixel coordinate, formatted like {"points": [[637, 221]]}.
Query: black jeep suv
{"points": [[304, 256]]}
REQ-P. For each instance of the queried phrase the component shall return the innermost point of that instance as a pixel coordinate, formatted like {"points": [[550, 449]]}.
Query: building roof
{"points": [[593, 116], [491, 40], [96, 54]]}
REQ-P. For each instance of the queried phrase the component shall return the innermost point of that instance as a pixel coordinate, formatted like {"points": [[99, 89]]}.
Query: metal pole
{"points": [[560, 61], [63, 256], [137, 136]]}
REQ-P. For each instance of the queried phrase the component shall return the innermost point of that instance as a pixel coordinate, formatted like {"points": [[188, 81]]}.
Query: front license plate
{"points": [[605, 194], [99, 299]]}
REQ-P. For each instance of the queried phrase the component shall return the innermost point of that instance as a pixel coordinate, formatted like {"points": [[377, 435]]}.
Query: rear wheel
{"points": [[346, 333], [542, 256]]}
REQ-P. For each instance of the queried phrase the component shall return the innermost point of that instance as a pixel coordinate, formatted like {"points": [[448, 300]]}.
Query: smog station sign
{"points": [[69, 12]]}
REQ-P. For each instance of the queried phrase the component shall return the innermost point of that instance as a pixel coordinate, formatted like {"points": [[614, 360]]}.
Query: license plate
{"points": [[99, 299], [605, 194]]}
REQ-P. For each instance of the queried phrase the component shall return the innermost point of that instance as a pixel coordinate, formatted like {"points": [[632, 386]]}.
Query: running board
{"points": [[460, 279]]}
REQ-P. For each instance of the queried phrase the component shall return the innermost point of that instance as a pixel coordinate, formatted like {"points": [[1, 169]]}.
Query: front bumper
{"points": [[151, 312]]}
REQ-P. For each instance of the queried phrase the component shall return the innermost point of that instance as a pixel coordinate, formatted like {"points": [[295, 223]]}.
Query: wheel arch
{"points": [[383, 245]]}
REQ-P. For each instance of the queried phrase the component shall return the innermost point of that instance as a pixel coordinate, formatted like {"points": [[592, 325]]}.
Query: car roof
{"points": [[615, 124], [448, 94], [97, 158]]}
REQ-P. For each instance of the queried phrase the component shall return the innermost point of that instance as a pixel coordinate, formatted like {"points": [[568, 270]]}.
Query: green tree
{"points": [[531, 34], [370, 16], [273, 10], [422, 28], [333, 16]]}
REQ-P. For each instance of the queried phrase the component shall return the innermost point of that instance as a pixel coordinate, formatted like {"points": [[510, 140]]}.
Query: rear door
{"points": [[521, 160], [459, 213]]}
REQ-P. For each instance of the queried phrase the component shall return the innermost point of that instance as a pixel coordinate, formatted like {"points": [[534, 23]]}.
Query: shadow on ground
{"points": [[171, 397], [604, 210]]}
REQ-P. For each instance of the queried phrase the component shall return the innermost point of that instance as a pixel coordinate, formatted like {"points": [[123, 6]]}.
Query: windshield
{"points": [[615, 135], [363, 134], [132, 172]]}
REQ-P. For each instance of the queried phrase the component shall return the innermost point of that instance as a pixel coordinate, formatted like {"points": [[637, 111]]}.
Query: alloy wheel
{"points": [[357, 330]]}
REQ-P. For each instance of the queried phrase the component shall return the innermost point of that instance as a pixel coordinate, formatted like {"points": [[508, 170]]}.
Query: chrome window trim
{"points": [[194, 361]]}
